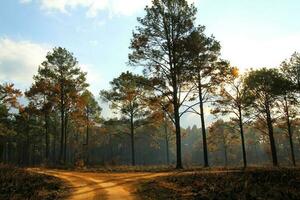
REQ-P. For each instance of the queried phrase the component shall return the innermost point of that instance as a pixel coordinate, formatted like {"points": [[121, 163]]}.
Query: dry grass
{"points": [[20, 184], [248, 184]]}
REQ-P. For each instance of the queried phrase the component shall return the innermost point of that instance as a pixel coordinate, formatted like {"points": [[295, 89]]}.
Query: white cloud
{"points": [[114, 7], [20, 60], [256, 52]]}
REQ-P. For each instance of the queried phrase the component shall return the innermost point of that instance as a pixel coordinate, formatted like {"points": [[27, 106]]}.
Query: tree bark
{"points": [[132, 140], [87, 144], [178, 137], [242, 137], [167, 141], [66, 138], [47, 136], [225, 155], [1, 151], [290, 132], [271, 134], [62, 117], [55, 134], [204, 140], [177, 124]]}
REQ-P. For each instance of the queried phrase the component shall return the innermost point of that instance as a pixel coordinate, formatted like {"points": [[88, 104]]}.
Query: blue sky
{"points": [[253, 33]]}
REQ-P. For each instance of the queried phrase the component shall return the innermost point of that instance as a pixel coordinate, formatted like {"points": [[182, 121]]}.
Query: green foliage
{"points": [[127, 96], [232, 98], [92, 110], [66, 79], [291, 69], [265, 84], [159, 45]]}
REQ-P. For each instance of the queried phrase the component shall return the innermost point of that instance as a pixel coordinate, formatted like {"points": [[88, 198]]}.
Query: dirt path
{"points": [[101, 186]]}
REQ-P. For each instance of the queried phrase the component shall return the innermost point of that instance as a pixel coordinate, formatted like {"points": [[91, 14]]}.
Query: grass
{"points": [[19, 184], [249, 184]]}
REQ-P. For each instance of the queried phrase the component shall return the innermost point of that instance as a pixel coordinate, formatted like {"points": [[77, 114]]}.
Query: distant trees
{"points": [[8, 99], [41, 100], [129, 98], [233, 102], [91, 112], [222, 137]]}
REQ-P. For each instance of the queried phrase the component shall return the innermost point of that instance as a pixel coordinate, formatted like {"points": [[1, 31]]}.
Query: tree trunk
{"points": [[5, 152], [27, 147], [290, 132], [111, 149], [224, 146], [62, 117], [54, 140], [271, 135], [9, 151], [177, 124], [54, 148], [66, 138], [1, 149], [242, 137], [167, 141], [62, 135], [204, 140], [87, 144], [47, 136], [225, 155], [132, 140], [178, 136], [256, 153]]}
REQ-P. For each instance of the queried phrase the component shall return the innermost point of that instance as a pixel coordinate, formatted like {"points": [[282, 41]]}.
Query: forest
{"points": [[58, 122]]}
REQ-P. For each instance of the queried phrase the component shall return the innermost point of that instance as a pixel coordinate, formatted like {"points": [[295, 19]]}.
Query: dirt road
{"points": [[101, 186]]}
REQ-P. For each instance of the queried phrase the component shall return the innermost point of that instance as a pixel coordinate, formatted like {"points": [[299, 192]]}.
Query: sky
{"points": [[253, 34]]}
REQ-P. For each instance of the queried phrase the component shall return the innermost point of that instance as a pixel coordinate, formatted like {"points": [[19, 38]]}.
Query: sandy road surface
{"points": [[100, 186], [107, 186]]}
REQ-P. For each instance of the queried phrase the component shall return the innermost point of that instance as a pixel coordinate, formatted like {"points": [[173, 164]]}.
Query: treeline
{"points": [[183, 73]]}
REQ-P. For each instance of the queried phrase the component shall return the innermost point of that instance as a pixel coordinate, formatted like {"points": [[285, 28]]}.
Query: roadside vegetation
{"points": [[20, 184], [250, 184]]}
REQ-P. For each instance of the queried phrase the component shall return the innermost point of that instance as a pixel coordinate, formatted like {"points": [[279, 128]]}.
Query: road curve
{"points": [[100, 186]]}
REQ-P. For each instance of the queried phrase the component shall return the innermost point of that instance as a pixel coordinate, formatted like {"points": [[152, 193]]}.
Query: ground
{"points": [[253, 183], [102, 185], [248, 184], [20, 184]]}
